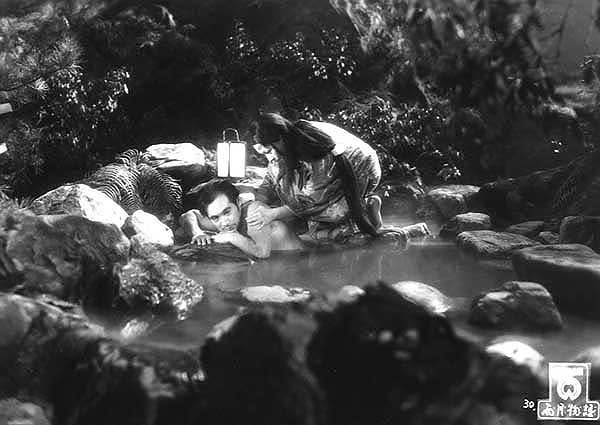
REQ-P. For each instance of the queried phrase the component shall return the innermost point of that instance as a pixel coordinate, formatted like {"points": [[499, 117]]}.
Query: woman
{"points": [[324, 175]]}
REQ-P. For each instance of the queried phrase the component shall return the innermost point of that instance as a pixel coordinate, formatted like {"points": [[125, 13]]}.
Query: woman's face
{"points": [[266, 147]]}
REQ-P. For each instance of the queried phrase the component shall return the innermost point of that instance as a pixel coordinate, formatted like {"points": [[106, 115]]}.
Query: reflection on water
{"points": [[438, 264]]}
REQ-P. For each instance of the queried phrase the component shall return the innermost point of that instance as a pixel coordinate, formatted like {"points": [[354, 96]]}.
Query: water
{"points": [[439, 264]]}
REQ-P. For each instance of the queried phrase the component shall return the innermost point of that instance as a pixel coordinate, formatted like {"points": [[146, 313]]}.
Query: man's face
{"points": [[224, 214]]}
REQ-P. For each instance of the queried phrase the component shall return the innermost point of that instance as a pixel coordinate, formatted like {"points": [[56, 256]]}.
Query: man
{"points": [[220, 210]]}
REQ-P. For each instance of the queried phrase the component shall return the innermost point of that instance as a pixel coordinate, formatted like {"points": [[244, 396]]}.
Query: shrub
{"points": [[408, 138]]}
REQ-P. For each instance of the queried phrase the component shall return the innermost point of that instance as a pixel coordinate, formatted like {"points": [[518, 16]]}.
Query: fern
{"points": [[135, 184]]}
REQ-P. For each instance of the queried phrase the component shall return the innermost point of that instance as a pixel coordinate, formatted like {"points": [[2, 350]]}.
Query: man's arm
{"points": [[194, 225], [255, 246]]}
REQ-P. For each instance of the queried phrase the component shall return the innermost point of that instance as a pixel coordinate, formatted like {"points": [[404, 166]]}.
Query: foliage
{"points": [[34, 48], [292, 70], [480, 53], [135, 184], [409, 139], [63, 115], [87, 85]]}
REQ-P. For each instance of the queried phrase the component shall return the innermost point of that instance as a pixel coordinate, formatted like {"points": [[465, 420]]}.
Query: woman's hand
{"points": [[260, 216]]}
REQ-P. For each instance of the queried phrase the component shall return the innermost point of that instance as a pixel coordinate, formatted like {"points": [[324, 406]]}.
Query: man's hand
{"points": [[202, 239], [260, 216]]}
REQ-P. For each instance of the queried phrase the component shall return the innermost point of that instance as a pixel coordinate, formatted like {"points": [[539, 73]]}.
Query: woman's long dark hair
{"points": [[304, 142]]}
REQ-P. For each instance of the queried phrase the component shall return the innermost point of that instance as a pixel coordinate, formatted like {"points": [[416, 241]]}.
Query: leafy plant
{"points": [[409, 138], [135, 184], [480, 53]]}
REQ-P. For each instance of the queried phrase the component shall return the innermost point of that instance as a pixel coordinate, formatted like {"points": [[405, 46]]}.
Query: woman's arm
{"points": [[263, 215]]}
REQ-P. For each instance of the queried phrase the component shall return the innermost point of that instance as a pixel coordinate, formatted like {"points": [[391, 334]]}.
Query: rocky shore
{"points": [[379, 354]]}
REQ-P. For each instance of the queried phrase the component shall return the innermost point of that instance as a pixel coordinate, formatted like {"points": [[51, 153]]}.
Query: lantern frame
{"points": [[228, 142]]}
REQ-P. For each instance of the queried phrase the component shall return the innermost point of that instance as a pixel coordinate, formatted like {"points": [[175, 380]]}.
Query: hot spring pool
{"points": [[436, 263]]}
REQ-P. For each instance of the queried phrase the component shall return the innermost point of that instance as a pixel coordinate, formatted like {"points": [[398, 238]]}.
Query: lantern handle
{"points": [[237, 135]]}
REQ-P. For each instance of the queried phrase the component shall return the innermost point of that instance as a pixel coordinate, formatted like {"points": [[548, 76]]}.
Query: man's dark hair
{"points": [[209, 191]]}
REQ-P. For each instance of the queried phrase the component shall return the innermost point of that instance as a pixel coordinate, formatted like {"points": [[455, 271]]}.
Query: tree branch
{"points": [[33, 80]]}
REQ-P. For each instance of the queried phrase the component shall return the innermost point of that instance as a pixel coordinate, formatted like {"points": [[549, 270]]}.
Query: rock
{"points": [[182, 161], [425, 295], [402, 196], [175, 155], [153, 282], [211, 254], [570, 272], [347, 293], [153, 230], [583, 230], [528, 228], [16, 412], [415, 231], [490, 244], [274, 294], [521, 354], [256, 173], [82, 200], [392, 236], [524, 198], [69, 257], [516, 304], [451, 200], [255, 373], [592, 356], [134, 329], [88, 378], [464, 223], [548, 238], [407, 366]]}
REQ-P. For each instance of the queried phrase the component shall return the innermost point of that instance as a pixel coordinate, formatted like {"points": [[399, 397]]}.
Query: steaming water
{"points": [[439, 264]]}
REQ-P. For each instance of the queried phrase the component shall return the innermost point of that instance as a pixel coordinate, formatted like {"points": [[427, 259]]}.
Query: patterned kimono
{"points": [[316, 194]]}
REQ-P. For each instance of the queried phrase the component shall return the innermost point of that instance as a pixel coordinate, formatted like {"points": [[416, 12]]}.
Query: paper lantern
{"points": [[231, 155]]}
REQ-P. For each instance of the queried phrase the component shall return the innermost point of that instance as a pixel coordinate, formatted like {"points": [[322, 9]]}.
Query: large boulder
{"points": [[385, 359], [450, 200], [183, 161], [67, 256], [524, 198], [570, 272], [151, 228], [153, 282], [581, 230], [48, 354], [516, 304], [82, 200], [256, 374], [490, 244], [464, 223]]}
